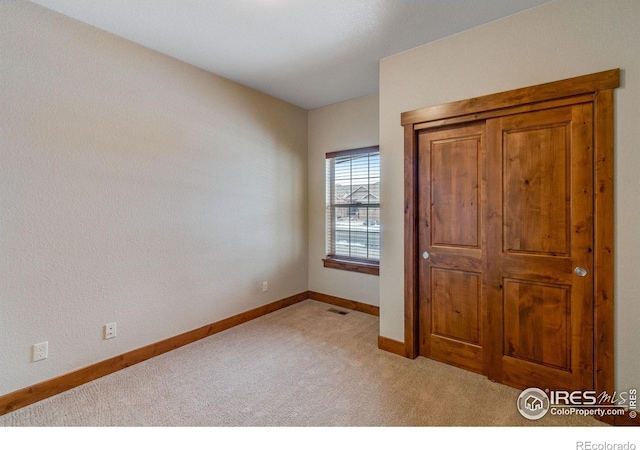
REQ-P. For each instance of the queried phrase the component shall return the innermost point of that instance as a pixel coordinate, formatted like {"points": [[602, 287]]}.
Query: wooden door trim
{"points": [[603, 242], [411, 278], [555, 90], [601, 86], [485, 115]]}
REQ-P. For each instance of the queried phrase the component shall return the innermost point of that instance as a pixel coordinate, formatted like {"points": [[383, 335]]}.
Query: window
{"points": [[353, 210]]}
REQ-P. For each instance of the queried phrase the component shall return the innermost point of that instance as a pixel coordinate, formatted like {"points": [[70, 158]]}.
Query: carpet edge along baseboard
{"points": [[48, 388], [391, 346], [345, 303]]}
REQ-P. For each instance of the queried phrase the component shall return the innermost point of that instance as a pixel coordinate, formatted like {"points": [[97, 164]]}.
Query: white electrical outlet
{"points": [[110, 330], [265, 286], [40, 351]]}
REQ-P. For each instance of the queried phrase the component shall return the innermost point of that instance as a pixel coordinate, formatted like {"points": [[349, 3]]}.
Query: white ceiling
{"points": [[308, 52]]}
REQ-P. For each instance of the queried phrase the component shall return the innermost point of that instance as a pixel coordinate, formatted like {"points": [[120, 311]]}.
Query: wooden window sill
{"points": [[353, 266]]}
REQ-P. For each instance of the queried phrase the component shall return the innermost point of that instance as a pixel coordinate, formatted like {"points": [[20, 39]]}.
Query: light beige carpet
{"points": [[299, 366]]}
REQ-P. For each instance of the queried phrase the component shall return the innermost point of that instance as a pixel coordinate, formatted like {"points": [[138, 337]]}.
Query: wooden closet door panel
{"points": [[454, 192], [455, 305], [539, 329], [541, 214], [450, 245], [537, 187]]}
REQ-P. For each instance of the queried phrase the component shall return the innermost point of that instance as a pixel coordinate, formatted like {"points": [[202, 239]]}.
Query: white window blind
{"points": [[353, 205]]}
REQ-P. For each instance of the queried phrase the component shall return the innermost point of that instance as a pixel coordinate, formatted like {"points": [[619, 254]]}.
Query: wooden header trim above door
{"points": [[595, 88], [570, 87]]}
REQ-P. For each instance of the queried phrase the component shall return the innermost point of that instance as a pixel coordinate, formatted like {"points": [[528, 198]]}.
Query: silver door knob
{"points": [[580, 271], [425, 255]]}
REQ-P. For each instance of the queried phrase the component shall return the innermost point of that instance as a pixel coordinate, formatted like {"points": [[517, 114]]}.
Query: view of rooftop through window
{"points": [[353, 205]]}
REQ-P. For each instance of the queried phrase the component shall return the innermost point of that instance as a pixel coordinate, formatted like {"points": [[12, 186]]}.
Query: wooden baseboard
{"points": [[32, 394], [391, 346], [344, 303]]}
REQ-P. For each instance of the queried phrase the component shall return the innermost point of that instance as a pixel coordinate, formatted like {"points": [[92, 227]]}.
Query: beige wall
{"points": [[555, 41], [341, 126], [136, 189]]}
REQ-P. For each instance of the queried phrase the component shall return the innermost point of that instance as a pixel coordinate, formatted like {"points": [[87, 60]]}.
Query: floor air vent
{"points": [[337, 311]]}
